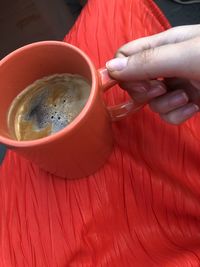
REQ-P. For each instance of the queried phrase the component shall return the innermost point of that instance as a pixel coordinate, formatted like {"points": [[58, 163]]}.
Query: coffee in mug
{"points": [[47, 106]]}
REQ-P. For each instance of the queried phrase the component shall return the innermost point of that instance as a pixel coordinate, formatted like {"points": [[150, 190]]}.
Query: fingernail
{"points": [[157, 91], [139, 89], [190, 110], [117, 64], [178, 99]]}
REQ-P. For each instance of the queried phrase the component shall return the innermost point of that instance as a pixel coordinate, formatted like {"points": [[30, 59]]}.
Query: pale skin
{"points": [[162, 70]]}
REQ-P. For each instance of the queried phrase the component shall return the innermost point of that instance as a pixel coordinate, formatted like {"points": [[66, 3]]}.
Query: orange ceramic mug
{"points": [[84, 145]]}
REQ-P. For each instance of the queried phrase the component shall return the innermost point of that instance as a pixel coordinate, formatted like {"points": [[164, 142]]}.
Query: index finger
{"points": [[174, 35]]}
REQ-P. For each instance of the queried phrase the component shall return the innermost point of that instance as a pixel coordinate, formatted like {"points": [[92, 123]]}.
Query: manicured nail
{"points": [[157, 91], [117, 64], [190, 110], [178, 99]]}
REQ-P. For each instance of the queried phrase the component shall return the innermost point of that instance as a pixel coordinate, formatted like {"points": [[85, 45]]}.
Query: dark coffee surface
{"points": [[47, 106]]}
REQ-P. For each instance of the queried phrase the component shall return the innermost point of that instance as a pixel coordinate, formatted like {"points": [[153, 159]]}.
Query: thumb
{"points": [[172, 60]]}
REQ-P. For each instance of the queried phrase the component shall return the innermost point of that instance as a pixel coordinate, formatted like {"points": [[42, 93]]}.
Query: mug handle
{"points": [[120, 111]]}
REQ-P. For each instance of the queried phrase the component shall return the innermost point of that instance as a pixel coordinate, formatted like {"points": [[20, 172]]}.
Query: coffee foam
{"points": [[47, 106]]}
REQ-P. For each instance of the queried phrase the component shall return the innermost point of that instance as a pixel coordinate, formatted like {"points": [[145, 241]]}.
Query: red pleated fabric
{"points": [[141, 209]]}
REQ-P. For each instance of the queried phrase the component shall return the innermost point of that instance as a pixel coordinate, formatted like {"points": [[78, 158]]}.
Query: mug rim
{"points": [[69, 129]]}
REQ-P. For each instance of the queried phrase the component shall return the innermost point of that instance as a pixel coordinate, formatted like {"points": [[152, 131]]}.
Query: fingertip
{"points": [[117, 64], [157, 91], [190, 110], [181, 115]]}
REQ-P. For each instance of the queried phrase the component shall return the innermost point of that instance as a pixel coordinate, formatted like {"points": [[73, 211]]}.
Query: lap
{"points": [[141, 208]]}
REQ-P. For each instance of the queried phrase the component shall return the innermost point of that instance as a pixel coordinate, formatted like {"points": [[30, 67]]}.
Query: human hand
{"points": [[174, 56]]}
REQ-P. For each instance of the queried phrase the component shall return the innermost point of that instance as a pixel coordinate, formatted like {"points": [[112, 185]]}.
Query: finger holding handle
{"points": [[120, 111]]}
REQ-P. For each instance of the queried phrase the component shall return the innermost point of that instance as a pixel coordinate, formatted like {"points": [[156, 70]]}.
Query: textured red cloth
{"points": [[141, 209]]}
